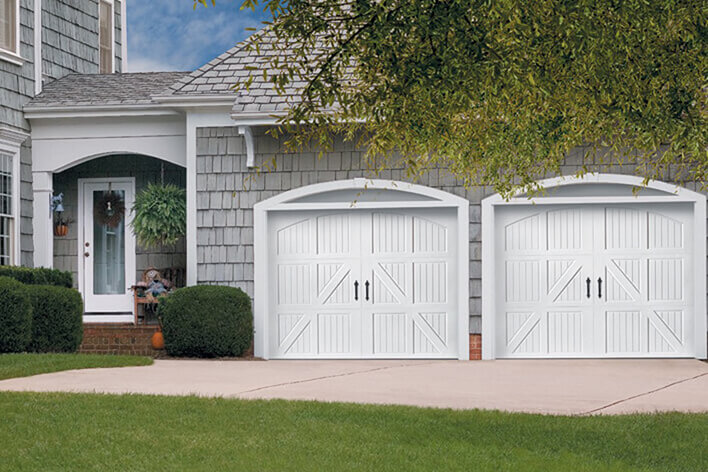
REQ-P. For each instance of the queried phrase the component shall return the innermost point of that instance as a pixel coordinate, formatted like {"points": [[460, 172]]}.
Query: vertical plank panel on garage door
{"points": [[408, 259], [404, 264], [594, 281], [644, 258], [316, 262], [546, 259]]}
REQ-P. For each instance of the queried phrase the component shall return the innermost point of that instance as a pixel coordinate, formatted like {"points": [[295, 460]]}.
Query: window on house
{"points": [[8, 25], [105, 37], [6, 216]]}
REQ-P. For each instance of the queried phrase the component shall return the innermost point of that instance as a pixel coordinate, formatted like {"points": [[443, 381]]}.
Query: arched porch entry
{"points": [[596, 266], [362, 268], [99, 247]]}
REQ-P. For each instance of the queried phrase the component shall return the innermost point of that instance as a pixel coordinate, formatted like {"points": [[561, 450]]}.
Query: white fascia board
{"points": [[97, 111], [195, 100], [267, 119]]}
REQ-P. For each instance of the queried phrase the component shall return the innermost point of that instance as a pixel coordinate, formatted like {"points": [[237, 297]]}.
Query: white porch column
{"points": [[191, 201], [43, 188]]}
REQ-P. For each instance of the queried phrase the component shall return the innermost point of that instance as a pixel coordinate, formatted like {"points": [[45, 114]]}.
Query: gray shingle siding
{"points": [[70, 37], [227, 191], [17, 82]]}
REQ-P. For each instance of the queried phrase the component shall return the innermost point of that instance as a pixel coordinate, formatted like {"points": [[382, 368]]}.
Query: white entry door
{"points": [[107, 245], [363, 284], [595, 281]]}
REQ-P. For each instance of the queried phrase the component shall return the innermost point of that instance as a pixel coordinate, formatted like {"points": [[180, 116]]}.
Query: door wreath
{"points": [[109, 209]]}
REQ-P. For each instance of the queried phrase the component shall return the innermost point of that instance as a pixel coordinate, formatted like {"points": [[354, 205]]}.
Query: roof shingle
{"points": [[104, 89]]}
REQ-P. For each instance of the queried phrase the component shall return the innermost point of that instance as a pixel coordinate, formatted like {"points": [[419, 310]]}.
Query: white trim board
{"points": [[673, 194], [11, 143], [436, 198]]}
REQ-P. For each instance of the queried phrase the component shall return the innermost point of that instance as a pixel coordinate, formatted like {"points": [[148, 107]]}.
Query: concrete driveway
{"points": [[568, 387]]}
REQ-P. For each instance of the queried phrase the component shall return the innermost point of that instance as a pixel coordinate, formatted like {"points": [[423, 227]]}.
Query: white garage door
{"points": [[594, 281], [363, 284]]}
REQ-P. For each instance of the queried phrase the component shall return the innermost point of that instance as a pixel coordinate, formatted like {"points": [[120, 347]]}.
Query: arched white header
{"points": [[407, 194]]}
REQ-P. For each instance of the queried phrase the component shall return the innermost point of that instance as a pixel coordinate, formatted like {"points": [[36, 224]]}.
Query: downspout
{"points": [[247, 134], [37, 47]]}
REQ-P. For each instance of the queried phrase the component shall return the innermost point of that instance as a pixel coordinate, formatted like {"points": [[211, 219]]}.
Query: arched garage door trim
{"points": [[356, 194], [570, 193]]}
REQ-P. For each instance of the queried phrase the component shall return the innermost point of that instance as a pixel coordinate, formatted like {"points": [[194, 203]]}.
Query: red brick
{"points": [[118, 339], [475, 347]]}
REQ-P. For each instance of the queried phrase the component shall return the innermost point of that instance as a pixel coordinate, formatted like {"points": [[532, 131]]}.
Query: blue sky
{"points": [[170, 35]]}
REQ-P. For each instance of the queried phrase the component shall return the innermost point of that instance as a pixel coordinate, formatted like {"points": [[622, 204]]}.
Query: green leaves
{"points": [[497, 92], [160, 215]]}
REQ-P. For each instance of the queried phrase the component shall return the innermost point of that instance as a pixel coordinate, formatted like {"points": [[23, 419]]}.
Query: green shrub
{"points": [[57, 319], [206, 321], [15, 316], [39, 276]]}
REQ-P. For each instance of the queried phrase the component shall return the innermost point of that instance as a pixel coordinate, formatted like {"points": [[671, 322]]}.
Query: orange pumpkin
{"points": [[157, 340]]}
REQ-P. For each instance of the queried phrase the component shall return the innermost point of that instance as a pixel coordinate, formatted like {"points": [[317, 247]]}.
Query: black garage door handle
{"points": [[599, 287]]}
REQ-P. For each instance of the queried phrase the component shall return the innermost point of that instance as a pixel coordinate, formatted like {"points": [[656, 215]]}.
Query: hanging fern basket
{"points": [[160, 215]]}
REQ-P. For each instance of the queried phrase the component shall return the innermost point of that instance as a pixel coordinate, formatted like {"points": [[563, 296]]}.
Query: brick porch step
{"points": [[118, 338]]}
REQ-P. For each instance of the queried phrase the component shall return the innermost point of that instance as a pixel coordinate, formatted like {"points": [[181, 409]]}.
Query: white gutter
{"points": [[191, 100]]}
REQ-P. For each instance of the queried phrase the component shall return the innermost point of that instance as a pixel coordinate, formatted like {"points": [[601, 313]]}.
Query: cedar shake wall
{"points": [[227, 191], [70, 37]]}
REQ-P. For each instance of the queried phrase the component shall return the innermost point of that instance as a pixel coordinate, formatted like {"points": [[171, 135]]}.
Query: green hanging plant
{"points": [[160, 215]]}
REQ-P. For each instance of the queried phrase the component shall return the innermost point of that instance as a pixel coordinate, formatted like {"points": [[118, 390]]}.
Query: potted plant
{"points": [[160, 215], [61, 226]]}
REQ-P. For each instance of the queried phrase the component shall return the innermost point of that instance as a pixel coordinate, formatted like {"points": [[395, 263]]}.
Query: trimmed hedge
{"points": [[15, 316], [57, 319], [206, 321], [39, 276]]}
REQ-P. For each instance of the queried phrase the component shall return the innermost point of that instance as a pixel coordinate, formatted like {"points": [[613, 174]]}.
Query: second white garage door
{"points": [[363, 284], [595, 281]]}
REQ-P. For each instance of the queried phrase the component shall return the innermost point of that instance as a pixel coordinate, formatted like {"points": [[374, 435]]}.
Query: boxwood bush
{"points": [[206, 321], [15, 316], [57, 319], [39, 276]]}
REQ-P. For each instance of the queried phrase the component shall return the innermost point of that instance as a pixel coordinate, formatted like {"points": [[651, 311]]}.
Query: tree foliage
{"points": [[497, 91]]}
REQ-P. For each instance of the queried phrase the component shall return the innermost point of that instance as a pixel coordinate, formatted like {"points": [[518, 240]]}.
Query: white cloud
{"points": [[170, 35], [145, 64]]}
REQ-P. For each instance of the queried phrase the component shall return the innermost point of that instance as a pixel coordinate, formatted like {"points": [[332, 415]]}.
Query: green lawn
{"points": [[75, 432], [23, 365]]}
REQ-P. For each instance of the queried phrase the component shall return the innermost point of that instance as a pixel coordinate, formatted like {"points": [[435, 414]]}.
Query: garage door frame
{"points": [[660, 192], [315, 197]]}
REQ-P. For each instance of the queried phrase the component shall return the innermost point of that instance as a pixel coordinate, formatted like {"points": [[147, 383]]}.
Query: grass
{"points": [[23, 365], [149, 433]]}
